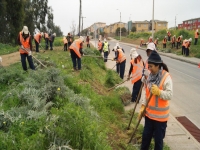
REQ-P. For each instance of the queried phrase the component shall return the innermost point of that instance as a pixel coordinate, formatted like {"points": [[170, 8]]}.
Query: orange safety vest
{"points": [[196, 35], [37, 37], [75, 46], [46, 35], [99, 45], [158, 109], [187, 44], [173, 39], [25, 43], [137, 70], [164, 41], [178, 39], [184, 41], [65, 40], [121, 56]]}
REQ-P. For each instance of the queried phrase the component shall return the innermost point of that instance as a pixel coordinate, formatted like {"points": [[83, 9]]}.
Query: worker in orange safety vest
{"points": [[100, 46], [37, 39], [196, 36], [187, 47], [164, 42], [173, 41], [169, 36], [25, 41], [76, 52], [159, 85], [88, 41], [46, 38], [183, 46], [178, 41], [65, 43], [136, 68]]}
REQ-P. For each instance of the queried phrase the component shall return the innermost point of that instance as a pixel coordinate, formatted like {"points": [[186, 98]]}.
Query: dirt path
{"points": [[10, 59]]}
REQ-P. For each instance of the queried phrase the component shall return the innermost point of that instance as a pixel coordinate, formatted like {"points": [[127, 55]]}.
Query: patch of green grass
{"points": [[7, 49]]}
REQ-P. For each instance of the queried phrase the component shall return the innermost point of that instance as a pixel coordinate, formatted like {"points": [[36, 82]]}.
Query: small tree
{"points": [[123, 30], [133, 29]]}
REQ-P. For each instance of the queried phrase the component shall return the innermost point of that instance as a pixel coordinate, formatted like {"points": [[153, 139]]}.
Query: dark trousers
{"points": [[187, 52], [136, 89], [183, 50], [88, 45], [65, 47], [169, 39], [105, 56], [164, 45], [117, 67], [122, 66], [51, 45], [195, 41], [100, 51], [36, 46], [47, 43], [30, 61], [68, 44], [173, 44], [177, 45], [156, 129], [75, 58]]}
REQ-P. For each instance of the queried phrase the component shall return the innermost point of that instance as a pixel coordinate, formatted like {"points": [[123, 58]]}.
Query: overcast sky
{"points": [[66, 11]]}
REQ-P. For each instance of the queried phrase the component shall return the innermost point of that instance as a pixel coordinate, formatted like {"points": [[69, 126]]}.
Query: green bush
{"points": [[7, 49]]}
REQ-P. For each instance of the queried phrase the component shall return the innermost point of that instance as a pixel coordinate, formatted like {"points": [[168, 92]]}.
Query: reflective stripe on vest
{"points": [[137, 70], [25, 43], [121, 56], [158, 109], [37, 37], [105, 47], [75, 46]]}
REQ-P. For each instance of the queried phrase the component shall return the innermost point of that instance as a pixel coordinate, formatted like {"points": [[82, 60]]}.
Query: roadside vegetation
{"points": [[57, 108], [135, 38]]}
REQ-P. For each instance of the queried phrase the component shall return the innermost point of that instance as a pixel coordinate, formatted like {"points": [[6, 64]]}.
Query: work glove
{"points": [[143, 79], [155, 90], [22, 46], [146, 73], [29, 53], [113, 59], [141, 111]]}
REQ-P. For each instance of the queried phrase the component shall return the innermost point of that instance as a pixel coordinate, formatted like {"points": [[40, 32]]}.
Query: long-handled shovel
{"points": [[27, 50], [140, 119], [135, 106], [119, 84]]}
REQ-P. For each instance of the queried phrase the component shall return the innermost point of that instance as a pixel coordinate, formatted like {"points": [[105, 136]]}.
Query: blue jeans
{"points": [[136, 90], [75, 57], [154, 129], [30, 61]]}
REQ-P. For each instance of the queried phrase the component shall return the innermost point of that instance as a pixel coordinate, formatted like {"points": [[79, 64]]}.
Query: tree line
{"points": [[34, 14]]}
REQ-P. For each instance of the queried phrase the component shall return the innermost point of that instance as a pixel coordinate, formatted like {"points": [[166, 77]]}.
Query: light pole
{"points": [[129, 24], [82, 23], [153, 21], [120, 26], [79, 29]]}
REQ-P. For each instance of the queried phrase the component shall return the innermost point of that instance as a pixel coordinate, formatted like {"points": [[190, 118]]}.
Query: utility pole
{"points": [[82, 23], [79, 29], [153, 21], [120, 26]]}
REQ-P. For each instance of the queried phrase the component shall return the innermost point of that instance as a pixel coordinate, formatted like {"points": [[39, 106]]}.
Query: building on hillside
{"points": [[191, 24], [141, 26], [96, 26], [158, 25]]}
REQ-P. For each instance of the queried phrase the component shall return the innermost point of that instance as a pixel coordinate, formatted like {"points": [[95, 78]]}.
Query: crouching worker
{"points": [[24, 40], [136, 68], [159, 85], [76, 52]]}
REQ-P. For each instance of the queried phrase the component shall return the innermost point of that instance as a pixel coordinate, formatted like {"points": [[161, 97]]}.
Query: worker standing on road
{"points": [[196, 36], [105, 50], [25, 41], [100, 47], [88, 41], [65, 43], [136, 68], [37, 39], [51, 40], [178, 41], [159, 84], [164, 42], [187, 47], [46, 38], [120, 60], [169, 36], [76, 52], [173, 41]]}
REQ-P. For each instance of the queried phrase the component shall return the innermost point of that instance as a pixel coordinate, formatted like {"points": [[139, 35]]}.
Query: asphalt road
{"points": [[186, 85]]}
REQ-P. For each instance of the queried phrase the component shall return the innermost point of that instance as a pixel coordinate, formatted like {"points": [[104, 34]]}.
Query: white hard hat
{"points": [[165, 37], [81, 38], [105, 40], [42, 33], [0, 60], [157, 38], [197, 30], [190, 39], [181, 36], [54, 34], [151, 46], [150, 37], [133, 53], [25, 30], [115, 48]]}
